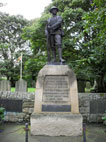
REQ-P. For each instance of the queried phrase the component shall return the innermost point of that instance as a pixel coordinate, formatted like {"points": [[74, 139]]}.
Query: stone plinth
{"points": [[21, 86], [56, 86], [56, 93], [56, 124]]}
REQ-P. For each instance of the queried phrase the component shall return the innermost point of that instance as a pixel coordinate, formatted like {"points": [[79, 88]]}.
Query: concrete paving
{"points": [[15, 133]]}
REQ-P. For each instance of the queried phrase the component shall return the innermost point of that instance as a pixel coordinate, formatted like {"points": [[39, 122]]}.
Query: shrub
{"points": [[2, 113], [104, 119]]}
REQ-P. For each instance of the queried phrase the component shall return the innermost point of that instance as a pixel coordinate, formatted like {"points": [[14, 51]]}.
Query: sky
{"points": [[30, 9]]}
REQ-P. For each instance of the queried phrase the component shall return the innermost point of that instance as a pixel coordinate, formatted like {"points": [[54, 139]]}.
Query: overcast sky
{"points": [[30, 9]]}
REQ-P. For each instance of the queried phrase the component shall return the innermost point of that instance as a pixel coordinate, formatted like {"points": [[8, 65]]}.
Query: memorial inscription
{"points": [[56, 89], [11, 105]]}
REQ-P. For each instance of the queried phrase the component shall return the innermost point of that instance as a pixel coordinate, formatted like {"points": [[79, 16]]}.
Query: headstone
{"points": [[88, 86], [21, 86], [56, 110], [5, 85]]}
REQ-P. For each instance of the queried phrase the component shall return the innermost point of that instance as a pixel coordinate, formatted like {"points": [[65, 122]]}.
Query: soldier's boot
{"points": [[60, 55]]}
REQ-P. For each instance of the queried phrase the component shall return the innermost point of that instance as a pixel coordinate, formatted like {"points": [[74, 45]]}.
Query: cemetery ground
{"points": [[14, 132]]}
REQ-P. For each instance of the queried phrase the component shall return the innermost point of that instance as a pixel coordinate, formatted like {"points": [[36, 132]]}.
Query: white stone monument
{"points": [[56, 110]]}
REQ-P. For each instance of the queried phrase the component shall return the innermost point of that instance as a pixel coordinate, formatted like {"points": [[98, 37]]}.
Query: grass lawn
{"points": [[29, 89], [12, 89], [88, 90]]}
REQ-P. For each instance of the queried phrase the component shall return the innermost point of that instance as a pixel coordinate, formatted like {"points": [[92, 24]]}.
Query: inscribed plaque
{"points": [[56, 89]]}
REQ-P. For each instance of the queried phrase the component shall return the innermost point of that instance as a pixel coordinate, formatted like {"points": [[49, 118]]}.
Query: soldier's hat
{"points": [[53, 7]]}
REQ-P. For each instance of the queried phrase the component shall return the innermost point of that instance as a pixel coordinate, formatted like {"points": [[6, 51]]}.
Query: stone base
{"points": [[56, 124], [56, 90]]}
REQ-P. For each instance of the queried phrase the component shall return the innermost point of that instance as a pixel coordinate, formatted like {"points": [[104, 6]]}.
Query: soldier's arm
{"points": [[57, 24], [47, 27]]}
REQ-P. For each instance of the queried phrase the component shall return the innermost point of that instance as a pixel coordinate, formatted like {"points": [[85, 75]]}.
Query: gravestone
{"points": [[5, 85], [56, 110], [88, 86], [21, 86]]}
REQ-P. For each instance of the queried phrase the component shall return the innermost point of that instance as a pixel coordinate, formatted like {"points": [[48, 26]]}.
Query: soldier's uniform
{"points": [[55, 23], [54, 34]]}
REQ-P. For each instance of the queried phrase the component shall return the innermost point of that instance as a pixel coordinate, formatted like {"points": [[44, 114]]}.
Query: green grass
{"points": [[29, 89], [88, 90], [12, 89]]}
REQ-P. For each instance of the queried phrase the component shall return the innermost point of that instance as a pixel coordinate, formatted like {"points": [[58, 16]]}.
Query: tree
{"points": [[71, 12], [2, 3], [84, 40], [32, 67], [94, 24], [35, 34], [11, 44]]}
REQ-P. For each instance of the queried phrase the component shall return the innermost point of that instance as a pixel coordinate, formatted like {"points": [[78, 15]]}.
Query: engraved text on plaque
{"points": [[56, 89]]}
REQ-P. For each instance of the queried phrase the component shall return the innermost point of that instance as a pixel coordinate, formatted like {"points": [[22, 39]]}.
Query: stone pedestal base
{"points": [[56, 124]]}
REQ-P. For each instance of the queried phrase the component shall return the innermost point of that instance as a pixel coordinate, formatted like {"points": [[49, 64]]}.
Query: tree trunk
{"points": [[100, 84]]}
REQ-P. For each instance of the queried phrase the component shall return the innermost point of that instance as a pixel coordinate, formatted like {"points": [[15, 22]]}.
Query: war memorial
{"points": [[56, 109]]}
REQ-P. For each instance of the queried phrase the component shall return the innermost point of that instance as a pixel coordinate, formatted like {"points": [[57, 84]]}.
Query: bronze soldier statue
{"points": [[54, 35]]}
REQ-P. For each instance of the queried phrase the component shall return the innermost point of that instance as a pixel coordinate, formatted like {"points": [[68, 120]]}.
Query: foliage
{"points": [[32, 67], [81, 50], [35, 34], [2, 4], [94, 41], [104, 119], [85, 38], [84, 24], [11, 45], [2, 113], [71, 12]]}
